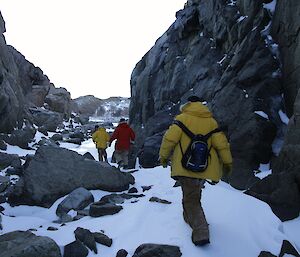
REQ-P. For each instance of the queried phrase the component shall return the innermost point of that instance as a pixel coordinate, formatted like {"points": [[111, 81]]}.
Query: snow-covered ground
{"points": [[240, 225]]}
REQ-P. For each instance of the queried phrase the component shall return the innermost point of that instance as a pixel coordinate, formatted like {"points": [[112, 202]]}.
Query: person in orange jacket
{"points": [[101, 139], [125, 136]]}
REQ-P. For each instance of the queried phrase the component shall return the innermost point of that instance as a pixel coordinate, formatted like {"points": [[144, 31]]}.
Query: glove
{"points": [[164, 162], [227, 169]]}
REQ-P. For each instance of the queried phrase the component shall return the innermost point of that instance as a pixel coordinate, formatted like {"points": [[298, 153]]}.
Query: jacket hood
{"points": [[123, 125], [196, 109]]}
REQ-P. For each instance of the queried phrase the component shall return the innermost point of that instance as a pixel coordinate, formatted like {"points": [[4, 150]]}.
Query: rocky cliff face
{"points": [[286, 31], [23, 88], [221, 51]]}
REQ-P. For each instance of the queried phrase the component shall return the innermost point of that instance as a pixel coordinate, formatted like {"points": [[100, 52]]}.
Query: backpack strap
{"points": [[184, 128], [216, 130], [190, 133]]}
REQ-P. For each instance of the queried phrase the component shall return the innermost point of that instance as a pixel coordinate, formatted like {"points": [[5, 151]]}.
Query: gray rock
{"points": [[76, 200], [158, 200], [266, 254], [22, 137], [76, 141], [54, 172], [46, 119], [118, 198], [122, 253], [9, 160], [87, 238], [288, 249], [88, 155], [4, 182], [281, 192], [59, 100], [132, 190], [75, 249], [148, 250], [2, 24], [99, 209], [26, 244], [3, 146], [2, 200], [52, 229], [102, 239], [57, 137]]}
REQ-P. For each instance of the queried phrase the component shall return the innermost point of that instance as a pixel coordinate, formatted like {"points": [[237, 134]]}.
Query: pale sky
{"points": [[89, 47]]}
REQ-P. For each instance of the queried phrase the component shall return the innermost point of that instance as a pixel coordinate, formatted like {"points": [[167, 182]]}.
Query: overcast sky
{"points": [[91, 46]]}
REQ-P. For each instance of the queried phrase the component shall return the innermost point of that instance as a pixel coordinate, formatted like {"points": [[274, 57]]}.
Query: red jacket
{"points": [[124, 134]]}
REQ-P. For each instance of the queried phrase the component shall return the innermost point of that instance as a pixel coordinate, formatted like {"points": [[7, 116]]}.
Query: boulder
{"points": [[26, 244], [76, 200], [88, 155], [122, 253], [7, 160], [87, 238], [102, 239], [101, 208], [22, 137], [46, 119], [147, 250], [4, 183], [54, 172], [59, 100], [75, 249], [118, 198], [281, 192], [3, 146]]}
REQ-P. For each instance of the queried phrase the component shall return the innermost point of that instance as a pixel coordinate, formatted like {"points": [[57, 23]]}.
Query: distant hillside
{"points": [[108, 109]]}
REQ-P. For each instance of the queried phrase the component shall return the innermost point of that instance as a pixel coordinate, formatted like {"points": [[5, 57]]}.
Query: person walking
{"points": [[124, 136], [199, 120], [101, 139]]}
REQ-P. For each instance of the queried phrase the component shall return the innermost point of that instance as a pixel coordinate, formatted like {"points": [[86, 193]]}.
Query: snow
{"points": [[270, 6], [263, 171], [262, 114], [284, 118], [240, 225], [241, 18]]}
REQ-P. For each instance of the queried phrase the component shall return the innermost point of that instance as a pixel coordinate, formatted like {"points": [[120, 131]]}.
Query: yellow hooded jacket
{"points": [[101, 138], [198, 119]]}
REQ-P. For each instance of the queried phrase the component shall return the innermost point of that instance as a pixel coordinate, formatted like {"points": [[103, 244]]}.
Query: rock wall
{"points": [[286, 31], [223, 52], [24, 86]]}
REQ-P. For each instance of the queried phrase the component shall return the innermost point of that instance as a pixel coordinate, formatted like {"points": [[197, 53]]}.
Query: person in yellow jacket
{"points": [[101, 139], [199, 120]]}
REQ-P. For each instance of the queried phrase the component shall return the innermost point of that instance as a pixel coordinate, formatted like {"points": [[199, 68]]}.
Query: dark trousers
{"points": [[102, 155]]}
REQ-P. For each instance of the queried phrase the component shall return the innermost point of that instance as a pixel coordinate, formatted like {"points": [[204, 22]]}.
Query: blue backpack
{"points": [[197, 153]]}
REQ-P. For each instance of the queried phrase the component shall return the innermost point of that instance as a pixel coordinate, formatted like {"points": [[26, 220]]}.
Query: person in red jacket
{"points": [[124, 136]]}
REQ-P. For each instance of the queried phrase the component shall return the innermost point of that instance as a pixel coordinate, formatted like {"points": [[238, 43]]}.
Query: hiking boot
{"points": [[200, 237]]}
